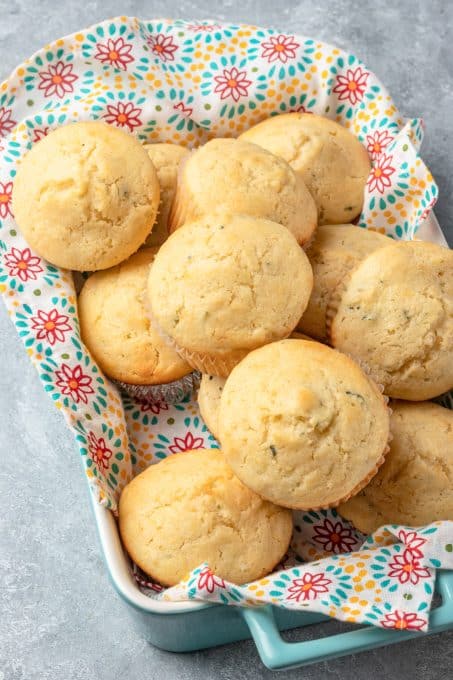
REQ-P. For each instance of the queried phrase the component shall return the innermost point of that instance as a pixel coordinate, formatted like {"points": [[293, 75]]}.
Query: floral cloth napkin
{"points": [[186, 82], [387, 581]]}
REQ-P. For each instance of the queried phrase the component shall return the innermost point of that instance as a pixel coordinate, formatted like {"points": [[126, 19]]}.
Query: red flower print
{"points": [[406, 568], [187, 444], [156, 587], [23, 264], [402, 621], [143, 580], [6, 122], [208, 581], [203, 27], [308, 587], [75, 383], [299, 109], [162, 46], [114, 52], [232, 83], [50, 326], [427, 210], [377, 142], [282, 48], [334, 538], [123, 115], [57, 80], [352, 85], [413, 542], [6, 191], [186, 111], [156, 407], [99, 451], [380, 174], [40, 133]]}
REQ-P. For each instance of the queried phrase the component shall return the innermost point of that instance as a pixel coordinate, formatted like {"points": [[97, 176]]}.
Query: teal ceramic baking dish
{"points": [[190, 626]]}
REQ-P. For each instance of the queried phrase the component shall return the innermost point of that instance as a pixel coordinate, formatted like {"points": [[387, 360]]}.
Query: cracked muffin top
{"points": [[394, 314], [228, 175], [86, 196], [191, 509], [415, 484], [115, 325], [224, 285], [332, 162], [302, 425]]}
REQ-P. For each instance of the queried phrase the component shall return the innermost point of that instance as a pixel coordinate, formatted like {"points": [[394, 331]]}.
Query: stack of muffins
{"points": [[240, 261]]}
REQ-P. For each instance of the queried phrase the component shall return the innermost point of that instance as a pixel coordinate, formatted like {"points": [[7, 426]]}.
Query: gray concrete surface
{"points": [[59, 617]]}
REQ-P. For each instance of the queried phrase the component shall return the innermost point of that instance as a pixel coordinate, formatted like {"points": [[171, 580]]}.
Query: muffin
{"points": [[190, 509], [115, 327], [302, 425], [333, 252], [332, 162], [166, 159], [86, 196], [224, 285], [394, 314], [414, 486], [209, 393], [227, 175]]}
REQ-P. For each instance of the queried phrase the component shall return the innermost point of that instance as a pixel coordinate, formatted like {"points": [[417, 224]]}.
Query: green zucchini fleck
{"points": [[355, 394]]}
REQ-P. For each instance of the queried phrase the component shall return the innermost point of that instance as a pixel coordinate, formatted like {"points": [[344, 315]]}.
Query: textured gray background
{"points": [[59, 617]]}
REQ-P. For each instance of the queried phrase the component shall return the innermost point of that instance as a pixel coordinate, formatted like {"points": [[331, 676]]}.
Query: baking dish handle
{"points": [[277, 654]]}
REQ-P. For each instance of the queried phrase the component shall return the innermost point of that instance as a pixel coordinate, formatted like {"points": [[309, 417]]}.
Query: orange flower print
{"points": [[407, 569], [377, 142], [73, 382], [308, 587], [23, 264], [58, 80], [381, 172], [117, 53], [123, 115], [334, 538], [351, 86], [232, 83], [401, 621], [281, 48], [6, 191], [99, 451], [162, 46], [51, 326]]}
